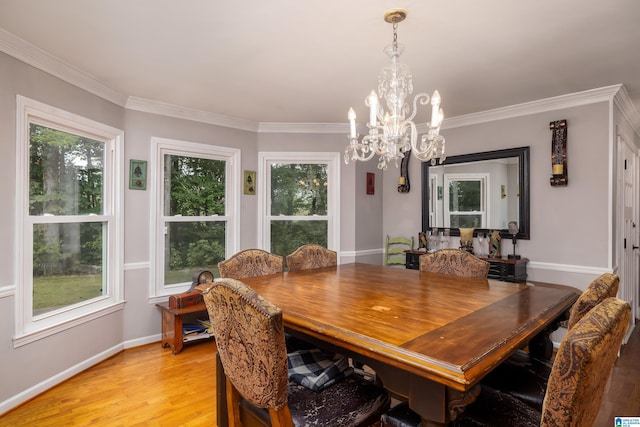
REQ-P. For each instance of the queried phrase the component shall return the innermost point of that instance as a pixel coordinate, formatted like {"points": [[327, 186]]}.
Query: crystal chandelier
{"points": [[393, 133]]}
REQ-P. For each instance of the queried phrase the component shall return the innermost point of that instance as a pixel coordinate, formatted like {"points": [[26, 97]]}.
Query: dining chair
{"points": [[251, 347], [576, 385], [454, 262], [251, 263], [311, 256], [604, 286], [394, 250], [525, 376]]}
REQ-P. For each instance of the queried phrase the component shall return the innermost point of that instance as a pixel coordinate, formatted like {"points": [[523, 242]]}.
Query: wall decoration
{"points": [[559, 153], [250, 183], [371, 183], [137, 174], [503, 191], [494, 244], [403, 181]]}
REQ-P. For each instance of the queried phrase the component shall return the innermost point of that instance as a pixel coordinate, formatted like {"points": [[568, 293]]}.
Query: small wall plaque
{"points": [[138, 174], [371, 183], [250, 183]]}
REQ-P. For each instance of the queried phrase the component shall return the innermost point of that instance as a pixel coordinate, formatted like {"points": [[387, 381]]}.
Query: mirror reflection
{"points": [[481, 190]]}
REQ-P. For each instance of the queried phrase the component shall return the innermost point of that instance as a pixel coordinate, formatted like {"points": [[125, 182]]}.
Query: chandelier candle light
{"points": [[393, 133]]}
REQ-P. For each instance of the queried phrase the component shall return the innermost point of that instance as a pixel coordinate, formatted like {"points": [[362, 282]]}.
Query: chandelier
{"points": [[392, 133]]}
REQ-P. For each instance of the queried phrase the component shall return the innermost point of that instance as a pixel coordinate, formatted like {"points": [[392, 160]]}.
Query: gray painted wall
{"points": [[570, 226]]}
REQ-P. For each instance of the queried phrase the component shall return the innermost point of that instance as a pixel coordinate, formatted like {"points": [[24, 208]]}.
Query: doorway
{"points": [[630, 259]]}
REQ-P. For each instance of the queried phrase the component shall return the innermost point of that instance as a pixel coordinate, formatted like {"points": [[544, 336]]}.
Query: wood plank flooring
{"points": [[150, 386]]}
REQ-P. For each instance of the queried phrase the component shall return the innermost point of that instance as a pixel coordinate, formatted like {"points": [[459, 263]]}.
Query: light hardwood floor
{"points": [[149, 386]]}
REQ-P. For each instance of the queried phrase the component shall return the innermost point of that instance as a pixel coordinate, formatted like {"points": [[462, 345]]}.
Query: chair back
{"points": [[583, 365], [250, 342], [251, 263], [311, 256], [454, 262], [603, 287], [394, 250]]}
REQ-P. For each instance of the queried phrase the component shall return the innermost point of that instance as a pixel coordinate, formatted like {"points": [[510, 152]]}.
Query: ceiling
{"points": [[308, 61]]}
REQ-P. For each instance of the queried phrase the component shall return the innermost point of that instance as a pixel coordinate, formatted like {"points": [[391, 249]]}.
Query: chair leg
{"points": [[281, 417], [233, 405]]}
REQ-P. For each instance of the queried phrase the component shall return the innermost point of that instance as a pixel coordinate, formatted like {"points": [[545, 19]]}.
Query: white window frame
{"points": [[332, 160], [29, 328], [158, 291], [483, 178]]}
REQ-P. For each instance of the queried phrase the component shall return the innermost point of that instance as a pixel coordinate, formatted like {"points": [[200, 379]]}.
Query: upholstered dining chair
{"points": [[604, 286], [311, 256], [525, 376], [251, 263], [576, 385], [454, 262], [251, 347]]}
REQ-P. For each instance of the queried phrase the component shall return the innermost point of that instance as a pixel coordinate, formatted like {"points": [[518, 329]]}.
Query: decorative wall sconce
{"points": [[403, 181], [559, 153]]}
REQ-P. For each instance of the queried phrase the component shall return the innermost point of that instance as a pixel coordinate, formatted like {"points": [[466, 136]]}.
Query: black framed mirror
{"points": [[483, 190]]}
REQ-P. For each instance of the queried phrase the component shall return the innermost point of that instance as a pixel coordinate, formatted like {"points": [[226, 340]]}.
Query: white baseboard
{"points": [[45, 385]]}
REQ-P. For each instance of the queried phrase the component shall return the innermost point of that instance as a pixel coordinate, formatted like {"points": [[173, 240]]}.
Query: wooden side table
{"points": [[172, 319], [504, 269]]}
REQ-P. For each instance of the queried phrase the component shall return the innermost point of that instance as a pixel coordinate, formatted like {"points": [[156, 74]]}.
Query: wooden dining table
{"points": [[430, 338]]}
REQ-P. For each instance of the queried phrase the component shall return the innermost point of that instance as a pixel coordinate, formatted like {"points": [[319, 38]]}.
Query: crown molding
{"points": [[539, 106], [274, 127], [36, 57], [623, 101], [14, 46], [171, 110]]}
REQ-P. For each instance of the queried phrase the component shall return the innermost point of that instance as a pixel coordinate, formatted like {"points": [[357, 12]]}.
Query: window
{"points": [[68, 204], [196, 200], [465, 200], [299, 200]]}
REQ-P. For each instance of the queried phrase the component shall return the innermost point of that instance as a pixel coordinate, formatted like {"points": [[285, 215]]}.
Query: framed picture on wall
{"points": [[138, 174], [371, 183], [250, 182]]}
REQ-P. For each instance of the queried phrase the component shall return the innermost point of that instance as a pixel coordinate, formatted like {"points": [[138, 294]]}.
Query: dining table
{"points": [[430, 338]]}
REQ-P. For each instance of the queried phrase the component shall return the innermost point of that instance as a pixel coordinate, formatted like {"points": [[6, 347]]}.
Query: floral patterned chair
{"points": [[311, 256], [251, 263], [251, 347], [576, 384], [454, 262]]}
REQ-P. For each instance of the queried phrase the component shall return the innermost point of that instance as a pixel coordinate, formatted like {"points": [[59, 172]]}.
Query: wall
{"points": [[570, 226], [32, 368], [360, 214]]}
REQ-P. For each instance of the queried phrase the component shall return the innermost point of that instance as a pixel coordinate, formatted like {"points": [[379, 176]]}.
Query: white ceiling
{"points": [[308, 61]]}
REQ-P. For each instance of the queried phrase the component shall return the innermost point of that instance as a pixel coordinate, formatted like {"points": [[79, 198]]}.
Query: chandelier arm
{"points": [[424, 100]]}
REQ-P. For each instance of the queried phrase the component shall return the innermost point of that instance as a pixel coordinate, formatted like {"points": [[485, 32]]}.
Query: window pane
{"points": [[193, 186], [465, 221], [287, 236], [190, 246], [465, 196], [298, 189], [67, 264], [65, 173]]}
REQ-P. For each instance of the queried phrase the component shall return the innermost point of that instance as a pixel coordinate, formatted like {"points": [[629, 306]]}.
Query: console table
{"points": [[172, 321], [504, 269]]}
